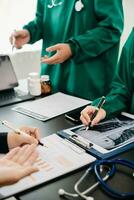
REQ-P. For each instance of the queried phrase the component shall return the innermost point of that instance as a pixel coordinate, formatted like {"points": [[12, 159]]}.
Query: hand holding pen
{"points": [[91, 115], [19, 38], [24, 135]]}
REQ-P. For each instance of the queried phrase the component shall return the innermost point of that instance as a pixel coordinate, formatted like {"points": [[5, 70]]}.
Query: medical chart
{"points": [[56, 158]]}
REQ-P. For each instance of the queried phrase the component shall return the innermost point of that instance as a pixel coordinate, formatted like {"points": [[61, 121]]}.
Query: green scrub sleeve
{"points": [[3, 143], [35, 27], [72, 47], [106, 34], [120, 97], [116, 102]]}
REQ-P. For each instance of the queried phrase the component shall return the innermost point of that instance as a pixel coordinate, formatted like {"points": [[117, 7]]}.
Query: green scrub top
{"points": [[121, 97], [93, 34]]}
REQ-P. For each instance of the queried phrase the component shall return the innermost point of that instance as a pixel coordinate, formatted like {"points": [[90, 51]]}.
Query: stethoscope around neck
{"points": [[97, 169], [78, 4]]}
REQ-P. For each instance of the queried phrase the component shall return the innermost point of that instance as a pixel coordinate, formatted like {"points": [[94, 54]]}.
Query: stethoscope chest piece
{"points": [[78, 5]]}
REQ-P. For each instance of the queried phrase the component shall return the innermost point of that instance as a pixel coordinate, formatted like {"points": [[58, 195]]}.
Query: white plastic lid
{"points": [[45, 78], [33, 75]]}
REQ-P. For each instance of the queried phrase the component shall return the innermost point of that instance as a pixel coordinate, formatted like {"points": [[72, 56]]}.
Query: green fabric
{"points": [[121, 97], [95, 32]]}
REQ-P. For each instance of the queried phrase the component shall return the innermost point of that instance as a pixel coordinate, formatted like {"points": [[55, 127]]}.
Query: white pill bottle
{"points": [[34, 86]]}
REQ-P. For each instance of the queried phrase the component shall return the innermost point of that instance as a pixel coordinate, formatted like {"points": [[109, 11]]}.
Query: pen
{"points": [[100, 104], [13, 42], [16, 130]]}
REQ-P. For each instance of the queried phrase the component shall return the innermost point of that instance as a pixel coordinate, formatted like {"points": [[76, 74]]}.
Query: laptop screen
{"points": [[8, 78]]}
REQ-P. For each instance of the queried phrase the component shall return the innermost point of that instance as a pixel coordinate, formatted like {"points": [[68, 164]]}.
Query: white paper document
{"points": [[57, 158], [51, 106]]}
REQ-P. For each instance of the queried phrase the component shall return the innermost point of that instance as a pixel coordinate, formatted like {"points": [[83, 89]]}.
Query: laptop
{"points": [[8, 83]]}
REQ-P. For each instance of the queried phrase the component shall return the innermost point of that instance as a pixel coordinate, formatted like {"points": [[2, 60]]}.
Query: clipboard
{"points": [[54, 161], [105, 140], [59, 103]]}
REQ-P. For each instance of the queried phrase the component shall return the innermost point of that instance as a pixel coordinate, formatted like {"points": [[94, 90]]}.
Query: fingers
{"points": [[63, 52], [15, 140], [19, 38], [32, 131], [32, 159], [12, 153], [14, 37], [36, 133], [53, 48], [88, 112], [21, 151], [28, 135], [100, 116], [25, 154], [28, 156], [17, 34], [27, 139], [55, 59], [18, 164], [26, 171]]}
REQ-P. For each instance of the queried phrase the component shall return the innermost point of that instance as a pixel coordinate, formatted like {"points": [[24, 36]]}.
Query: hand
{"points": [[87, 112], [21, 37], [63, 52], [32, 136], [17, 164]]}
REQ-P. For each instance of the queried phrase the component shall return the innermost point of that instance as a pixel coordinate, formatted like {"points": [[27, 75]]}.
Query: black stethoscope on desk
{"points": [[78, 5], [97, 168]]}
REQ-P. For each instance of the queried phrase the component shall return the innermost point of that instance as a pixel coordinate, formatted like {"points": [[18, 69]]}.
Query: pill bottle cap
{"points": [[45, 78], [33, 75]]}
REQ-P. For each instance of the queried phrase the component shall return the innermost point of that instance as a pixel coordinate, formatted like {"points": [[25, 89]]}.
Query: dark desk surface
{"points": [[49, 191]]}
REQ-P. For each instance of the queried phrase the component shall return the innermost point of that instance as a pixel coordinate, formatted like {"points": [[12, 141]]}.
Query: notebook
{"points": [[8, 83]]}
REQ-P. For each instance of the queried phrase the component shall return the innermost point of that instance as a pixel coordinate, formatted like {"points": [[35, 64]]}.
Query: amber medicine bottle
{"points": [[46, 87]]}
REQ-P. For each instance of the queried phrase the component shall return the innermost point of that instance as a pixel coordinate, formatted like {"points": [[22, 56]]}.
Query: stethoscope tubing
{"points": [[104, 185], [82, 194], [96, 167]]}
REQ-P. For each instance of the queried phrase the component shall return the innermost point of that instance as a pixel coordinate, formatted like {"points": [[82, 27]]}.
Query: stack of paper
{"points": [[51, 106]]}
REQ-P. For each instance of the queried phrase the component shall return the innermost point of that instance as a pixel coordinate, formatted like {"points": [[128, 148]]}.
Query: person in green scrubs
{"points": [[121, 97], [80, 43]]}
